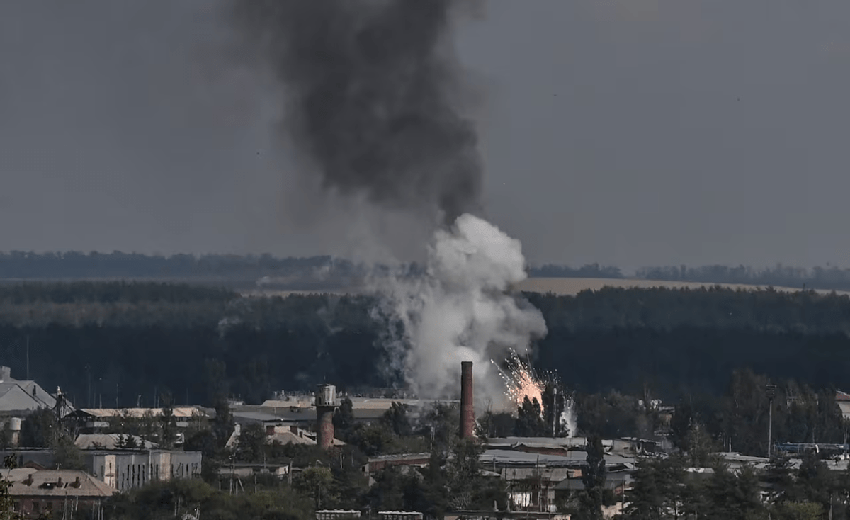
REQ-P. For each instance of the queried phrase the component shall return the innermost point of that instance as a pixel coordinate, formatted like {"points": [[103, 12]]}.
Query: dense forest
{"points": [[120, 343]]}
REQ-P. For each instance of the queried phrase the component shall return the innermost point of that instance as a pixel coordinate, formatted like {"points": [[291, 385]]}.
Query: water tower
{"points": [[325, 405]]}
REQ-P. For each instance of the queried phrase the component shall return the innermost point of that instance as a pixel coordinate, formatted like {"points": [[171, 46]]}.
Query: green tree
{"points": [[252, 443], [315, 482], [797, 511], [344, 418], [168, 424], [396, 417], [733, 497], [39, 429], [659, 488], [67, 455], [593, 476], [222, 424], [700, 447], [529, 421], [7, 502]]}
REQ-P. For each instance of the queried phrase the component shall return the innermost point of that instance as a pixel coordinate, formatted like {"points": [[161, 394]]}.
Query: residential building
{"points": [[56, 492]]}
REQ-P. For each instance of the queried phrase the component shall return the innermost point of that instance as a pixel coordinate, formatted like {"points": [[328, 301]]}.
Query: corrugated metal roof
{"points": [[179, 412], [107, 441], [569, 458], [15, 398]]}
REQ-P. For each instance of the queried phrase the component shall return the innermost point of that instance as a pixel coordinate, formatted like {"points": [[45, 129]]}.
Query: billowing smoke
{"points": [[368, 87], [461, 310]]}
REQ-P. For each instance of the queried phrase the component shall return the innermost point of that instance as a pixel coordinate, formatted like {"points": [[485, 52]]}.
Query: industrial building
{"points": [[121, 469]]}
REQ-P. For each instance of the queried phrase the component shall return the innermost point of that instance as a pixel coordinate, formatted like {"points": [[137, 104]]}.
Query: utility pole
{"points": [[771, 393], [554, 411], [28, 357]]}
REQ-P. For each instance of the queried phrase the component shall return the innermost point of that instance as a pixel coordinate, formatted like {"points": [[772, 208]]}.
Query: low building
{"points": [[400, 515], [125, 470], [56, 492], [337, 514], [375, 464], [122, 469]]}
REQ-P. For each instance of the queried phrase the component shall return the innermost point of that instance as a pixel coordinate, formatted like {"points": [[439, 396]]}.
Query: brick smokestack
{"points": [[467, 410], [325, 404]]}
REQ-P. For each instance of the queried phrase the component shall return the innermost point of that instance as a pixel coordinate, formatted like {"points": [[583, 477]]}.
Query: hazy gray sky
{"points": [[627, 132]]}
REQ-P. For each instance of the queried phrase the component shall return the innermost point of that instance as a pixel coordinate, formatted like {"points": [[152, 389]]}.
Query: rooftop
{"points": [[179, 412], [28, 482]]}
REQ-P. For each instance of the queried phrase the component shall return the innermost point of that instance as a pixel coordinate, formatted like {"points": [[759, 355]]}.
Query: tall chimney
{"points": [[325, 404], [467, 411]]}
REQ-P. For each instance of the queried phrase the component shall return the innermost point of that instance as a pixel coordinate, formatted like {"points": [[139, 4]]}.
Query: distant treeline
{"points": [[312, 271], [587, 271], [321, 270], [124, 342], [829, 278], [325, 272]]}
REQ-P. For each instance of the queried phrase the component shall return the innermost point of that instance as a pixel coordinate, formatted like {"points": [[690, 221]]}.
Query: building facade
{"points": [[122, 469]]}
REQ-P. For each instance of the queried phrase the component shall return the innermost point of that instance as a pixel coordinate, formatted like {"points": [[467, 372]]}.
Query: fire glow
{"points": [[521, 380]]}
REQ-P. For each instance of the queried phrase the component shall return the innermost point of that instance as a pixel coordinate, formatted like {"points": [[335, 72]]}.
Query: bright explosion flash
{"points": [[521, 380]]}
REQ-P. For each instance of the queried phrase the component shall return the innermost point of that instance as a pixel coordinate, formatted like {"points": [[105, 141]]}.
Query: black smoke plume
{"points": [[367, 87]]}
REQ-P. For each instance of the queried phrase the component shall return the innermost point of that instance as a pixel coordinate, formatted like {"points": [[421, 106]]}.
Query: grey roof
{"points": [[548, 442], [22, 395], [569, 458], [256, 414], [14, 397], [612, 481], [106, 441]]}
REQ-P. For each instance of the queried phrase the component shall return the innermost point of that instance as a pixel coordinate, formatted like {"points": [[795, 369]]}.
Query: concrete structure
{"points": [[22, 397], [122, 469], [56, 492], [125, 470], [375, 464], [843, 401], [467, 409], [12, 425], [325, 405], [400, 515]]}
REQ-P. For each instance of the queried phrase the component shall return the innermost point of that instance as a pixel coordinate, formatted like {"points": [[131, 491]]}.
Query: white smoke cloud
{"points": [[460, 311]]}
